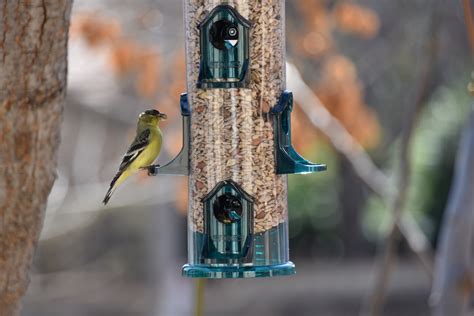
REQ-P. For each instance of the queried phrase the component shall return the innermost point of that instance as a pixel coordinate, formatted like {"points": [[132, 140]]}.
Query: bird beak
{"points": [[162, 116]]}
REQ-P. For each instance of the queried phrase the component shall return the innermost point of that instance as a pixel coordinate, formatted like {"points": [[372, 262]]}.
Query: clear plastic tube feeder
{"points": [[237, 147]]}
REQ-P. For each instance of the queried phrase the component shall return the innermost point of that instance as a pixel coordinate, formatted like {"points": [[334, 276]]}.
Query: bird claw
{"points": [[152, 169]]}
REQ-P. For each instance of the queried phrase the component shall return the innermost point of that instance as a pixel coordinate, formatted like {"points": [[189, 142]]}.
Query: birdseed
{"points": [[231, 129]]}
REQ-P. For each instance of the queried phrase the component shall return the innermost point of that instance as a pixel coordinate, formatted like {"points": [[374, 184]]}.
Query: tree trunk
{"points": [[452, 287], [33, 53]]}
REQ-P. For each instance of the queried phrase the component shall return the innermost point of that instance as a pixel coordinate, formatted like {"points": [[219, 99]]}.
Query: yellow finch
{"points": [[143, 151]]}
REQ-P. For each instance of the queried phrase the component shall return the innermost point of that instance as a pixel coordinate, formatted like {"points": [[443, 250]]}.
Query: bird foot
{"points": [[152, 170]]}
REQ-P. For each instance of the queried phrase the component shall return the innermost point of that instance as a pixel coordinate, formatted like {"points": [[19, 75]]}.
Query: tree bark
{"points": [[33, 66], [452, 287]]}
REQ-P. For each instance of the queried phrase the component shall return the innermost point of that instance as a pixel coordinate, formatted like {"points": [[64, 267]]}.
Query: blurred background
{"points": [[394, 74]]}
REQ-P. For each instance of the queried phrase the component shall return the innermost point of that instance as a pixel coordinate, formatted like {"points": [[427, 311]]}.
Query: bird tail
{"points": [[116, 181]]}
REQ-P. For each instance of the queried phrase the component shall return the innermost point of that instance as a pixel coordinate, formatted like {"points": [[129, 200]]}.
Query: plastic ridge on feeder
{"points": [[288, 161]]}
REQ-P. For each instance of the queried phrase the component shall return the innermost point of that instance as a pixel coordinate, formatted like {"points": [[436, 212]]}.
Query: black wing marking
{"points": [[139, 144]]}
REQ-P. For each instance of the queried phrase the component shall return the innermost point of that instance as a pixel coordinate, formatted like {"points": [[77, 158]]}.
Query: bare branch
{"points": [[468, 18], [340, 138], [388, 252], [363, 165]]}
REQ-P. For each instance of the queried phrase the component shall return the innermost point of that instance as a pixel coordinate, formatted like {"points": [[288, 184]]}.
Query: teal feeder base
{"points": [[266, 256], [237, 272]]}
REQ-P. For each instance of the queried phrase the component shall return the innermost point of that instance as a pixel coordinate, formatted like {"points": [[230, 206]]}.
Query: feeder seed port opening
{"points": [[237, 148]]}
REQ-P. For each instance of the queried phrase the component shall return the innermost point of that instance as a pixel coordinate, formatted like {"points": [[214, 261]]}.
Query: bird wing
{"points": [[136, 148]]}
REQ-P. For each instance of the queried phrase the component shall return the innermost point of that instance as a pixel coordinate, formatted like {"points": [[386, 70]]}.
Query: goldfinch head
{"points": [[151, 117]]}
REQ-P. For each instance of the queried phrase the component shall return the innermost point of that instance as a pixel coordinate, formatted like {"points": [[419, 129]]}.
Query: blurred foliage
{"points": [[311, 40], [313, 43], [126, 56], [313, 201], [433, 152], [433, 155], [355, 19]]}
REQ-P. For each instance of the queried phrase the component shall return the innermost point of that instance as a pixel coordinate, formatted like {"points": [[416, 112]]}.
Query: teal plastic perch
{"points": [[288, 161], [180, 164]]}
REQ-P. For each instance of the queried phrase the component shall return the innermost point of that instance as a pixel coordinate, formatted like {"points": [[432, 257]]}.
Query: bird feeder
{"points": [[237, 148]]}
